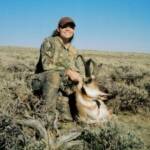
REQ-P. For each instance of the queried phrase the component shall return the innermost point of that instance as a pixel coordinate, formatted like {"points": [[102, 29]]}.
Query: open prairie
{"points": [[125, 75]]}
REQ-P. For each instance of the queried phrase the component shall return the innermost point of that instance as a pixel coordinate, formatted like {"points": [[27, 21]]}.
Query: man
{"points": [[56, 62]]}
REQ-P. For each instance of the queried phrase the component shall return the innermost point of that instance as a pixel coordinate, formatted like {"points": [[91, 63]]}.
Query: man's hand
{"points": [[73, 75]]}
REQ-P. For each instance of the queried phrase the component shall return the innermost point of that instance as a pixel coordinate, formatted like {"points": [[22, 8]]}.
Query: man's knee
{"points": [[53, 78]]}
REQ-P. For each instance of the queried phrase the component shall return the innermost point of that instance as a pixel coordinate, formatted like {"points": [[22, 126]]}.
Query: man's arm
{"points": [[47, 54]]}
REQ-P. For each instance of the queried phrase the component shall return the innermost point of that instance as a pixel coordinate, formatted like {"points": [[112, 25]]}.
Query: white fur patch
{"points": [[91, 92]]}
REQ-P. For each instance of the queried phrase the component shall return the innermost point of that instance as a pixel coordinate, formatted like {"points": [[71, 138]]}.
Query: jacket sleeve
{"points": [[73, 56], [72, 65], [47, 51]]}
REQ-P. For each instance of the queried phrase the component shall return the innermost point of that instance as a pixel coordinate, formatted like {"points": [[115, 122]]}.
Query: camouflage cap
{"points": [[65, 20]]}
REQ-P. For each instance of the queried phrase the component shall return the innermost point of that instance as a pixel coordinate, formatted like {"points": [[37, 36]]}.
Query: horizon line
{"points": [[81, 49]]}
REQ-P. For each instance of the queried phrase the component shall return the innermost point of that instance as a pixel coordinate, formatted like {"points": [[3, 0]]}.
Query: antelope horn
{"points": [[81, 57], [82, 60], [88, 69]]}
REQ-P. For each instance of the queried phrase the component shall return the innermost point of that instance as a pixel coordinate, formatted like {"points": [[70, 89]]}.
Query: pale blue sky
{"points": [[113, 25]]}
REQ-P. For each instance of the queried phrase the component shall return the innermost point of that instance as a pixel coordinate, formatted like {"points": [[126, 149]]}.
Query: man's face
{"points": [[66, 31]]}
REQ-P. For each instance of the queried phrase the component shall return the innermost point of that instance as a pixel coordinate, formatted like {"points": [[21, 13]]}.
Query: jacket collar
{"points": [[66, 46]]}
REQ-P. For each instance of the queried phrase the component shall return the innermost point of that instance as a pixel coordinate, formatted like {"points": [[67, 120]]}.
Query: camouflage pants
{"points": [[49, 83]]}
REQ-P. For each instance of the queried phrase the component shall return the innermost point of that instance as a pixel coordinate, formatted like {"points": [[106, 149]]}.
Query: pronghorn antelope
{"points": [[89, 98]]}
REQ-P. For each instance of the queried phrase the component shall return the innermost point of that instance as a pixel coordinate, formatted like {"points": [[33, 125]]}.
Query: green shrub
{"points": [[129, 86], [11, 136], [128, 74], [131, 98], [111, 138]]}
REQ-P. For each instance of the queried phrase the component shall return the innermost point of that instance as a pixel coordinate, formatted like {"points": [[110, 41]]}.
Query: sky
{"points": [[107, 25]]}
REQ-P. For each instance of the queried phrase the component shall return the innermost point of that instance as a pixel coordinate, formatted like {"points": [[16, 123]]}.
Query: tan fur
{"points": [[89, 98], [88, 109]]}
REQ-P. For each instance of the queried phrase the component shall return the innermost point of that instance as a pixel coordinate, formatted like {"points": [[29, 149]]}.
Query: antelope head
{"points": [[89, 83]]}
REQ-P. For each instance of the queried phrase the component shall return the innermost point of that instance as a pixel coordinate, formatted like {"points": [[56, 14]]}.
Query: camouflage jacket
{"points": [[54, 55]]}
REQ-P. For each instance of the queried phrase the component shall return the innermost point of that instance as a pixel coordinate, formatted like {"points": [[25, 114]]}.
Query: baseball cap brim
{"points": [[66, 20]]}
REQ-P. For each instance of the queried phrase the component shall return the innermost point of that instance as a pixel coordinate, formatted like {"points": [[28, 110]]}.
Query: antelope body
{"points": [[89, 99]]}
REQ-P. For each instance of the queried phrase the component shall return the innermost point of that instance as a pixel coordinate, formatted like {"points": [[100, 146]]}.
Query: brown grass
{"points": [[126, 75]]}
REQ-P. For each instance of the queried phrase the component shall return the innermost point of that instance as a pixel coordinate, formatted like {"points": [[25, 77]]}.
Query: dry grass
{"points": [[126, 75]]}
